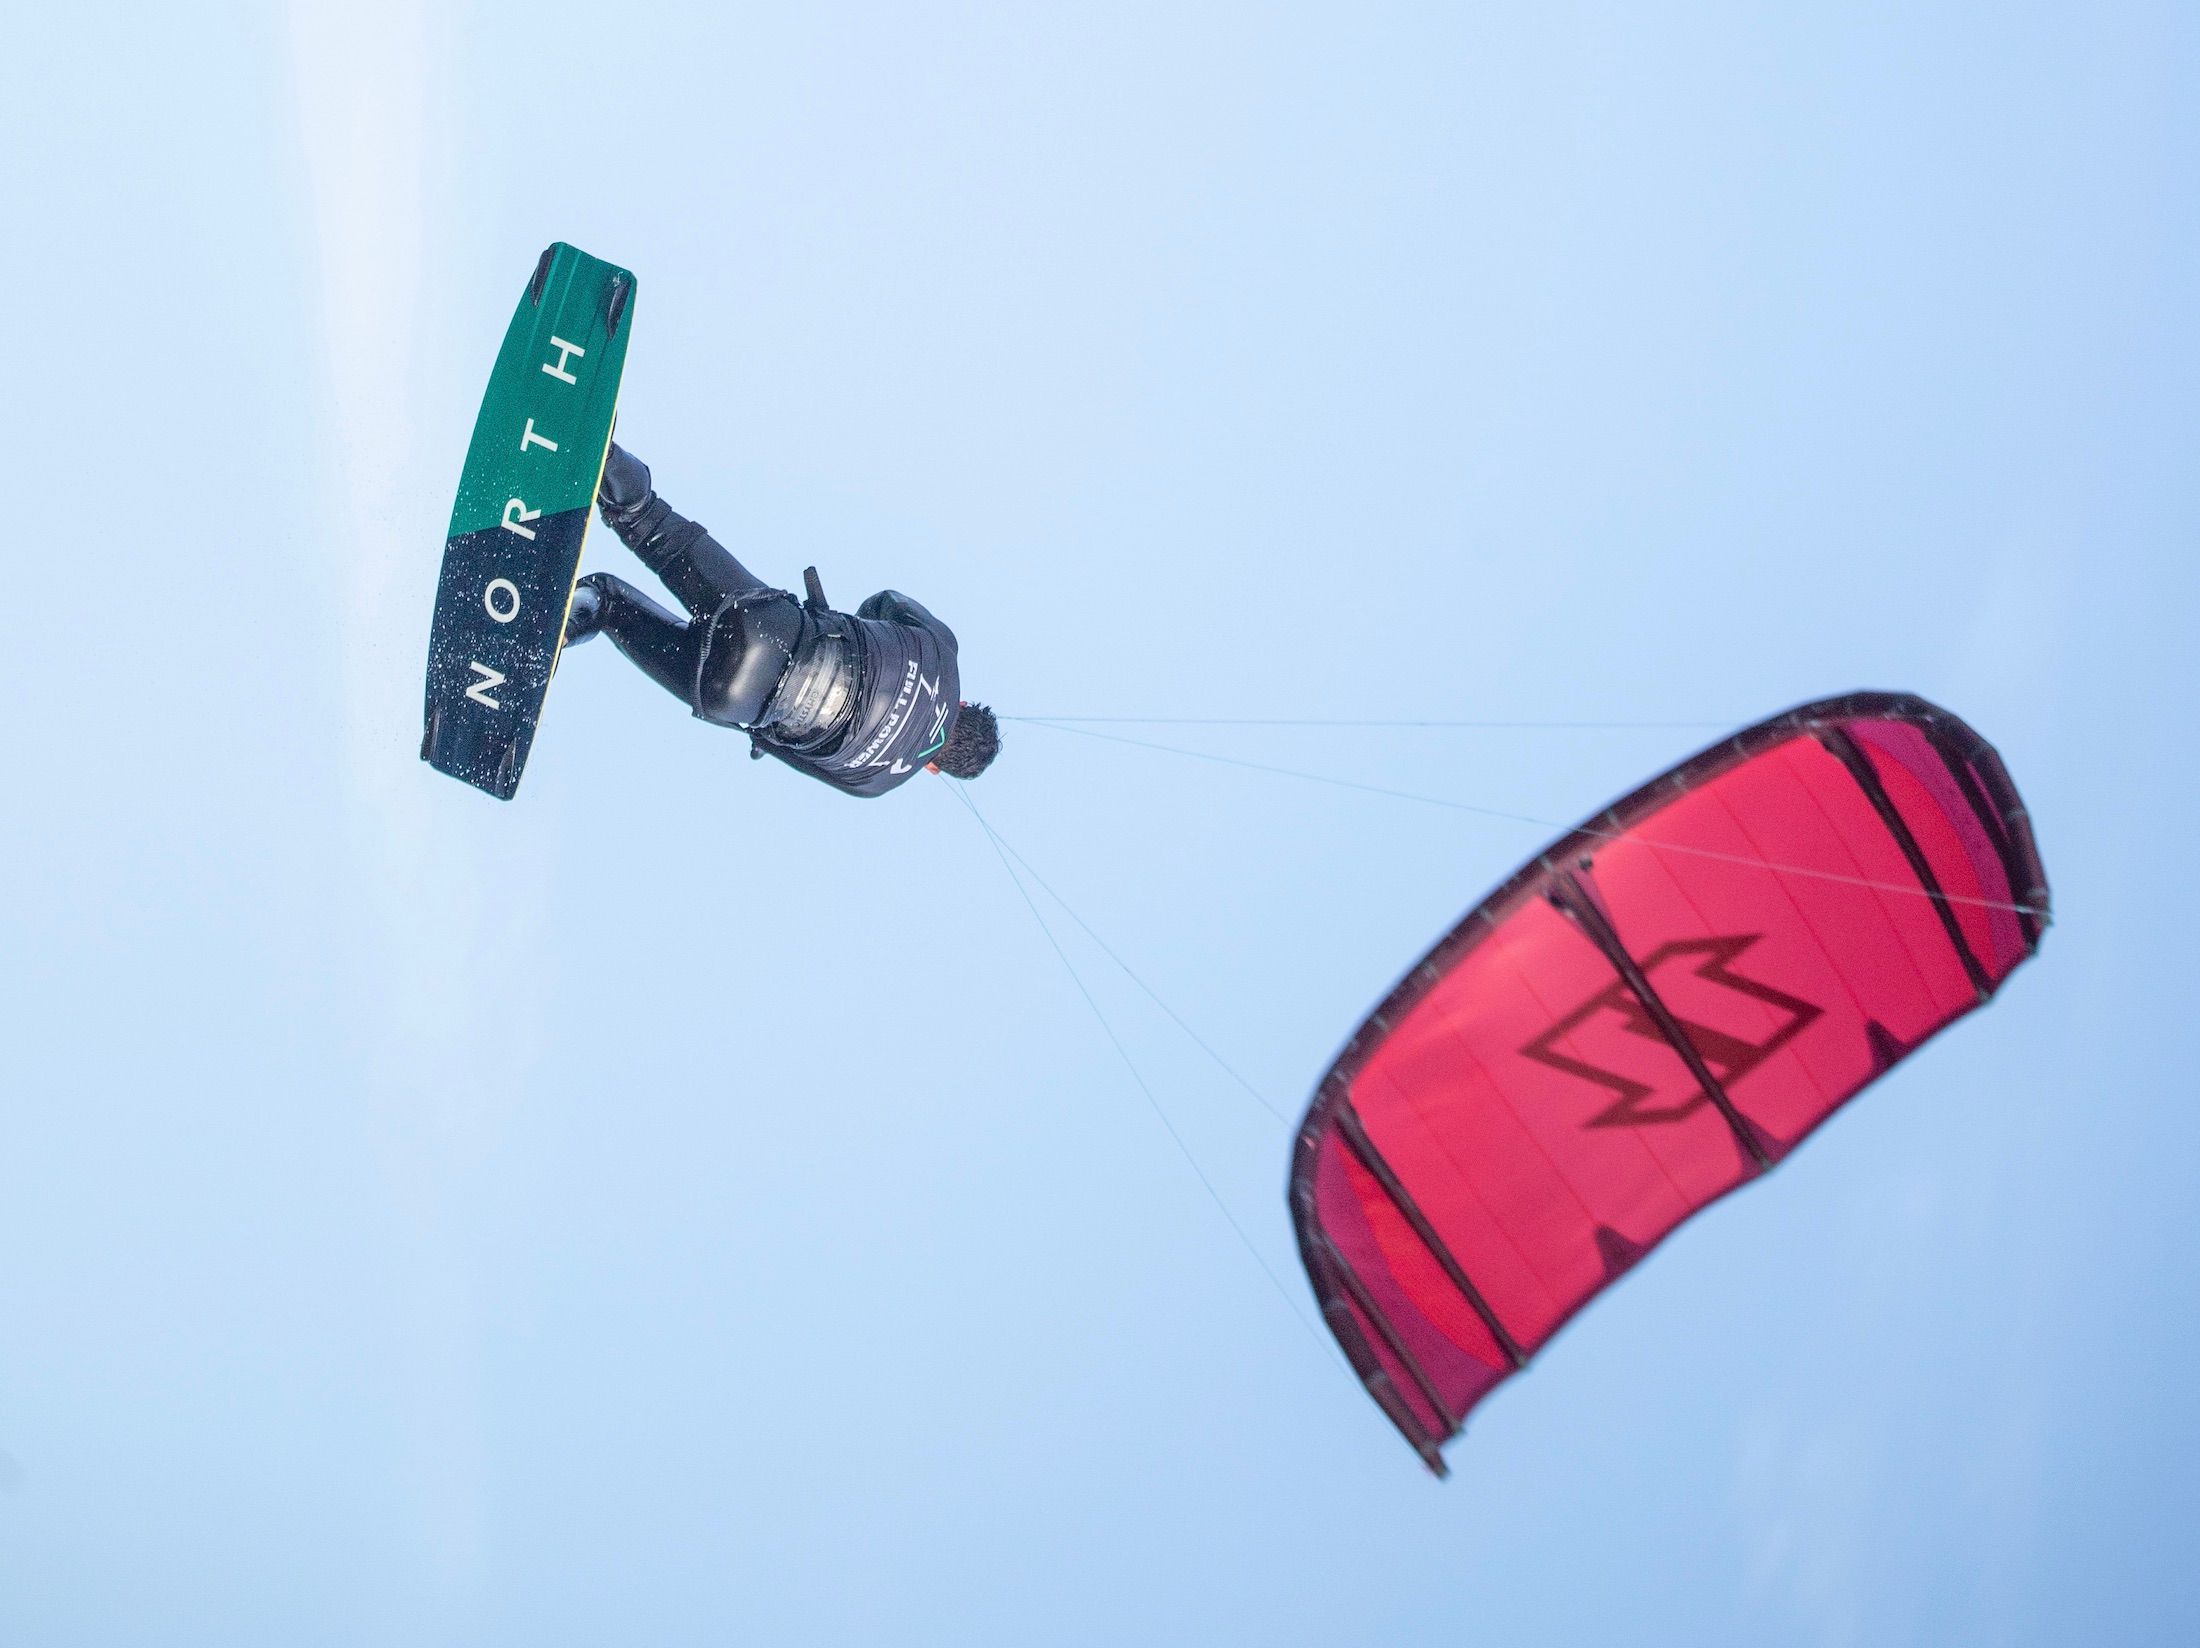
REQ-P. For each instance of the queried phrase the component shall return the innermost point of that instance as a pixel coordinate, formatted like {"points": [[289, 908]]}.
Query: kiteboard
{"points": [[514, 550]]}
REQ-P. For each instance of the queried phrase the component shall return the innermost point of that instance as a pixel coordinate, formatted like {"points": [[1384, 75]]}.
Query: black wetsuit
{"points": [[860, 701]]}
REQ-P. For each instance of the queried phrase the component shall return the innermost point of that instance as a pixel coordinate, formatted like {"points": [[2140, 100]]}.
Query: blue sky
{"points": [[426, 1221]]}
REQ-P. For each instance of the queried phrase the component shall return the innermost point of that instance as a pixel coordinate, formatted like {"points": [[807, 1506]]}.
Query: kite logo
{"points": [[1735, 1023]]}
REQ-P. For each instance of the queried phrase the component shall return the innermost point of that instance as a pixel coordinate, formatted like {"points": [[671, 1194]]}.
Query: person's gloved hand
{"points": [[625, 485]]}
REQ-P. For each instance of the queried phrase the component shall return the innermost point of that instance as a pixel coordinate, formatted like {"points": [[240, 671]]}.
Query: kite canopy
{"points": [[1657, 1009]]}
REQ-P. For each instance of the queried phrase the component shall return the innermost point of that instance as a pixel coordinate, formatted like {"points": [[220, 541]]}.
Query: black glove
{"points": [[624, 489]]}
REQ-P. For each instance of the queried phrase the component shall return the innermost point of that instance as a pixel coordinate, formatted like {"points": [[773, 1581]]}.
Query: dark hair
{"points": [[972, 745]]}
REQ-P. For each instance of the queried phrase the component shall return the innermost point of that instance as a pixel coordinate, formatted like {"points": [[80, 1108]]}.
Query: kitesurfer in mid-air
{"points": [[860, 701]]}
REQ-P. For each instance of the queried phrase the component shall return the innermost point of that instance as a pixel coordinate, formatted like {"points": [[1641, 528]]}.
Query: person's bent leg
{"points": [[662, 647]]}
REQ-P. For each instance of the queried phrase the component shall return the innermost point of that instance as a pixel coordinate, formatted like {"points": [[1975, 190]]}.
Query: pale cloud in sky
{"points": [[366, 125]]}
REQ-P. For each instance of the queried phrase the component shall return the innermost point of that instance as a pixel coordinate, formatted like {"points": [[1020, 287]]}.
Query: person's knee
{"points": [[750, 645]]}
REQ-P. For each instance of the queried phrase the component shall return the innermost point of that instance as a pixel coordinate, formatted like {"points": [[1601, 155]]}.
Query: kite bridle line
{"points": [[1003, 851], [2037, 912]]}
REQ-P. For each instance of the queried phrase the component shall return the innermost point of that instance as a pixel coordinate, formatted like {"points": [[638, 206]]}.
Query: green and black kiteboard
{"points": [[524, 500]]}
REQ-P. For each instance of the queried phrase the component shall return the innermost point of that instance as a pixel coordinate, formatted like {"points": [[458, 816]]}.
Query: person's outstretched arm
{"points": [[692, 564]]}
